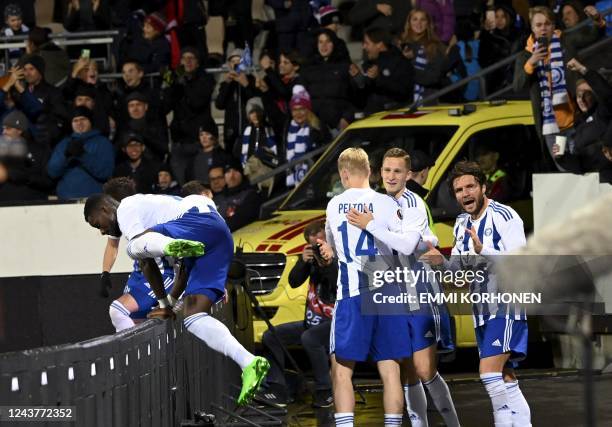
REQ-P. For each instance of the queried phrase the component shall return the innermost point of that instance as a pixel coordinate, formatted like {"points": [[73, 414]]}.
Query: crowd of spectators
{"points": [[66, 131]]}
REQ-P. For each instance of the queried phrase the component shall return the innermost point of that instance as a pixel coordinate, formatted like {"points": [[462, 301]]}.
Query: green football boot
{"points": [[252, 377], [180, 248]]}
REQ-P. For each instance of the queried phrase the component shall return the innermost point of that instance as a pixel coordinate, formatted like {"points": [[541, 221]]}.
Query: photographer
{"points": [[313, 332]]}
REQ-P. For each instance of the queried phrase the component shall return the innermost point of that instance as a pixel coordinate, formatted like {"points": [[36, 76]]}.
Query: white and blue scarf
{"points": [[298, 144], [558, 94], [265, 152], [420, 62]]}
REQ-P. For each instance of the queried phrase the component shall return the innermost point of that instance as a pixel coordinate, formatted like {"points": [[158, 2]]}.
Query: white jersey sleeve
{"points": [[129, 217]]}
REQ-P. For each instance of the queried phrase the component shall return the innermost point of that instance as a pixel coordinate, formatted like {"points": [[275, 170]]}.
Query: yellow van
{"points": [[447, 134]]}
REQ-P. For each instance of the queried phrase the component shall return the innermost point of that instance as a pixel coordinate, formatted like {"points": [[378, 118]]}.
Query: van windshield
{"points": [[324, 182]]}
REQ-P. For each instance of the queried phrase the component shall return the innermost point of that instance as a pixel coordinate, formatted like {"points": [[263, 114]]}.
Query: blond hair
{"points": [[355, 160], [398, 153], [541, 10]]}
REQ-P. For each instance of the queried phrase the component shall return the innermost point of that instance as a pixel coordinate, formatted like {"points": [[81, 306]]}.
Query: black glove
{"points": [[75, 148], [105, 284]]}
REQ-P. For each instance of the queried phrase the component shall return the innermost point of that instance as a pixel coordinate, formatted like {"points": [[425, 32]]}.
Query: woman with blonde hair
{"points": [[421, 45]]}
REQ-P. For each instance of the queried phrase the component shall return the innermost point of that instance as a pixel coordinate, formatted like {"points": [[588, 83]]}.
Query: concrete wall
{"points": [[52, 240]]}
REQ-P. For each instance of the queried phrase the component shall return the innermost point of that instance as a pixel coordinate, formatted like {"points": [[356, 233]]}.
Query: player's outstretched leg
{"points": [[216, 335], [154, 245]]}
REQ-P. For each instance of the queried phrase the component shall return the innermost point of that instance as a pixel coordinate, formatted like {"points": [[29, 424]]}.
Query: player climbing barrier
{"points": [[155, 374]]}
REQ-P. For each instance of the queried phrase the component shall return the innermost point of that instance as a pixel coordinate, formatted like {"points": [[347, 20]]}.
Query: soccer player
{"points": [[138, 298], [486, 229], [355, 335], [425, 324], [189, 228]]}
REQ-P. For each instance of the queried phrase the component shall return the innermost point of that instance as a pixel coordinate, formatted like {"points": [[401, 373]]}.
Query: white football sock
{"points": [[120, 316], [521, 414], [495, 386], [216, 335], [392, 420], [149, 245], [416, 404], [440, 394], [344, 419]]}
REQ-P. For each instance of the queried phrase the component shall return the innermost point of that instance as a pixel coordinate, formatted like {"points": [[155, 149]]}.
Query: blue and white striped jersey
{"points": [[139, 212], [358, 251], [500, 229]]}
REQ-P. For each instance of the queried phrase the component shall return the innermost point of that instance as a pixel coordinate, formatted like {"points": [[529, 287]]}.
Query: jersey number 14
{"points": [[365, 238]]}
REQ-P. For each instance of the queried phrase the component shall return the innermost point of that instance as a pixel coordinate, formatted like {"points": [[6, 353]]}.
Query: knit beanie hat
{"points": [[12, 10], [300, 98], [16, 120], [157, 21], [328, 15], [82, 112], [36, 61]]}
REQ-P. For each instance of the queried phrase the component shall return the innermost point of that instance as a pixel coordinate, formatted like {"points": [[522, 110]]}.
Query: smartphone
{"points": [[490, 18], [85, 53]]}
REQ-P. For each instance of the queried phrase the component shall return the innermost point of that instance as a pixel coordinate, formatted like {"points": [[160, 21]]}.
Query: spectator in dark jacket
{"points": [[57, 63], [22, 162], [189, 98], [153, 133], [594, 99], [237, 87], [292, 20], [389, 15], [302, 133], [49, 123], [27, 10], [387, 79], [151, 49], [14, 26], [85, 71], [209, 154], [13, 87], [326, 79], [423, 48], [497, 43], [132, 80], [558, 117], [88, 15], [571, 15], [239, 203], [166, 184], [82, 161], [329, 19], [85, 96], [142, 170], [278, 85]]}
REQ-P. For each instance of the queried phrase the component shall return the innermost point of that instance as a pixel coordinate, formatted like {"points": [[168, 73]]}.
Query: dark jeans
{"points": [[315, 341]]}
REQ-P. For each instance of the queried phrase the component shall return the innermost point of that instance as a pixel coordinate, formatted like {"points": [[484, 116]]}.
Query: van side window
{"points": [[508, 155]]}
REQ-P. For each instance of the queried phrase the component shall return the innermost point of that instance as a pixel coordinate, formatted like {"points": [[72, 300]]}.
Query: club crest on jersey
{"points": [[488, 231], [399, 214]]}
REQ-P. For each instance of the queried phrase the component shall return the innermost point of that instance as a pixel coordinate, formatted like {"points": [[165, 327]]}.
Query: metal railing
{"points": [[64, 39]]}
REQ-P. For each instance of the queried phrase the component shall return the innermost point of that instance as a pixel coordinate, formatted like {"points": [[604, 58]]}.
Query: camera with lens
{"points": [[316, 250]]}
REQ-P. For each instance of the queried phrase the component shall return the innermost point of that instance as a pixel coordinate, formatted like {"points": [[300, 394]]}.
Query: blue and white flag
{"points": [[246, 60]]}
